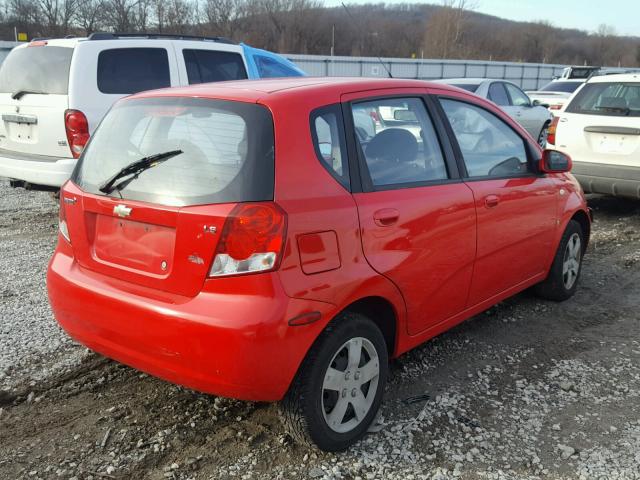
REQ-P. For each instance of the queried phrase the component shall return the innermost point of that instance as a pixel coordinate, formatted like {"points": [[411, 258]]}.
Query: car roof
{"points": [[616, 77], [465, 80], [273, 89]]}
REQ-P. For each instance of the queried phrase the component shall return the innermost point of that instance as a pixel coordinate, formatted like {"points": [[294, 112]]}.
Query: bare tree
{"points": [[444, 28], [57, 15], [89, 15], [222, 15], [120, 14]]}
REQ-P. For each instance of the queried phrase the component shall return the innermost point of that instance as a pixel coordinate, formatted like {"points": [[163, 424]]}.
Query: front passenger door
{"points": [[516, 208]]}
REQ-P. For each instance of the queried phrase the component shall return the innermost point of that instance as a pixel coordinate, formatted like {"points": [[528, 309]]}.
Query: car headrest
{"points": [[634, 104], [613, 102], [393, 144]]}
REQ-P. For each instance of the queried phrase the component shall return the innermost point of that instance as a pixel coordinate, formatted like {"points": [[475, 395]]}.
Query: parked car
{"points": [[533, 116], [53, 93], [208, 238], [555, 93], [600, 129]]}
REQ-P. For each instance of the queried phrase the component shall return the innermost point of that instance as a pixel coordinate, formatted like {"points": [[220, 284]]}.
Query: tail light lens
{"points": [[77, 127], [62, 220], [551, 132], [252, 240], [555, 107]]}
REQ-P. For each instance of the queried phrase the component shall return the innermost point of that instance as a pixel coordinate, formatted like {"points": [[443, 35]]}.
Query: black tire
{"points": [[543, 135], [554, 287], [302, 410]]}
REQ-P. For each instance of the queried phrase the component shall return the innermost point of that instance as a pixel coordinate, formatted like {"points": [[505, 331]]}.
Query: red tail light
{"points": [[555, 107], [252, 240], [551, 133], [77, 127]]}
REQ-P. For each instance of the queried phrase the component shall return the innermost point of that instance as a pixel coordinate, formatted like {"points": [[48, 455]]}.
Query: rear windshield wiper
{"points": [[135, 169], [20, 93]]}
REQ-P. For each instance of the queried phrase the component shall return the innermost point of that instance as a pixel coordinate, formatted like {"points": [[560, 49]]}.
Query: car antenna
{"points": [[362, 33]]}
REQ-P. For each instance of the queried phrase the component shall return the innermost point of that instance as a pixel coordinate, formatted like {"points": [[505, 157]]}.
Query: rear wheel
{"points": [[562, 281], [542, 136], [338, 390]]}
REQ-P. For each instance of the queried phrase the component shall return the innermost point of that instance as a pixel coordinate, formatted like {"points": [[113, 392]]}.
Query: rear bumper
{"points": [[235, 345], [617, 180], [36, 169]]}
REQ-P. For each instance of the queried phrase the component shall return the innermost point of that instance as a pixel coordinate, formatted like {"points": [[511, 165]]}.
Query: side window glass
{"points": [[399, 142], [498, 95], [327, 132], [131, 70], [271, 68], [213, 66], [518, 97], [489, 146]]}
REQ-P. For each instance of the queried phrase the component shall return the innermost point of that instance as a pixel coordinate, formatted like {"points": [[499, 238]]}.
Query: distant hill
{"points": [[306, 26]]}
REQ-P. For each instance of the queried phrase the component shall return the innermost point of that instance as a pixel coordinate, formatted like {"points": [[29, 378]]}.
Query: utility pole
{"points": [[333, 45]]}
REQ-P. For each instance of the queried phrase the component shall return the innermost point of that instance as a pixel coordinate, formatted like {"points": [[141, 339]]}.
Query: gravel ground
{"points": [[527, 390]]}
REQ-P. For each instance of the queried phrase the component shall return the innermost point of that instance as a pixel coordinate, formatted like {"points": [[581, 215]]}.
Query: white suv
{"points": [[600, 129], [54, 93]]}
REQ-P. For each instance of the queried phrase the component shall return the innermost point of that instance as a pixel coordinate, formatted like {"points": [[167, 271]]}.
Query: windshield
{"points": [[567, 87], [610, 99], [227, 151], [469, 87], [40, 69]]}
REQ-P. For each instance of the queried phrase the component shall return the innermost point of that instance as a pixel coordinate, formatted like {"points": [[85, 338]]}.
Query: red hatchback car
{"points": [[280, 240]]}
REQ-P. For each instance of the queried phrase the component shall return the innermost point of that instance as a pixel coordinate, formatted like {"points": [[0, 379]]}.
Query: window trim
{"points": [[361, 168], [335, 109], [532, 164]]}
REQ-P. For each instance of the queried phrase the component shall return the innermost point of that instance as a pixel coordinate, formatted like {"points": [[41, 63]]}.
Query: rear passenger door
{"points": [[417, 217], [515, 206]]}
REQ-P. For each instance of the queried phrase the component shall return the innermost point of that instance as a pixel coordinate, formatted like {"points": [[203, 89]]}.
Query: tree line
{"points": [[450, 29]]}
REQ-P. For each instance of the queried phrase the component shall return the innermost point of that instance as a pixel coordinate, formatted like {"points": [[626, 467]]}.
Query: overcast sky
{"points": [[622, 15]]}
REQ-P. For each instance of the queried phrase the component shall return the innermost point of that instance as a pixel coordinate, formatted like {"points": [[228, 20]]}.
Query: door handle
{"points": [[386, 217], [491, 201]]}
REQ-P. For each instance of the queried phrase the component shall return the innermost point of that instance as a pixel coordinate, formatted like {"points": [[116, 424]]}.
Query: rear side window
{"points": [[227, 151], [498, 95], [611, 99], [327, 131], [130, 70], [213, 66], [404, 148], [490, 148], [38, 69], [271, 68]]}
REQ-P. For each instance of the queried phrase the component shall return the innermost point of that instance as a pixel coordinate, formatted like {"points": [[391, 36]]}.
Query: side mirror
{"points": [[553, 161], [538, 103]]}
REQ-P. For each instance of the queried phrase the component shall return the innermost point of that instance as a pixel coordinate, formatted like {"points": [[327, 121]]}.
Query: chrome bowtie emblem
{"points": [[122, 210]]}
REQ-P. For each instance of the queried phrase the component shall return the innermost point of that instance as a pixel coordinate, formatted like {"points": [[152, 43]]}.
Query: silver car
{"points": [[533, 116]]}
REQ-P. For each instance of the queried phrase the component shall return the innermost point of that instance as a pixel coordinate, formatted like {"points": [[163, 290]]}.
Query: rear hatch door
{"points": [[602, 124], [34, 83], [161, 229]]}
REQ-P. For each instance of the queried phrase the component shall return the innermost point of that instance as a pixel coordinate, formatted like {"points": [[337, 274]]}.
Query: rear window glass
{"points": [[130, 70], [271, 68], [39, 69], [212, 66], [567, 87], [227, 151], [610, 99], [469, 87]]}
